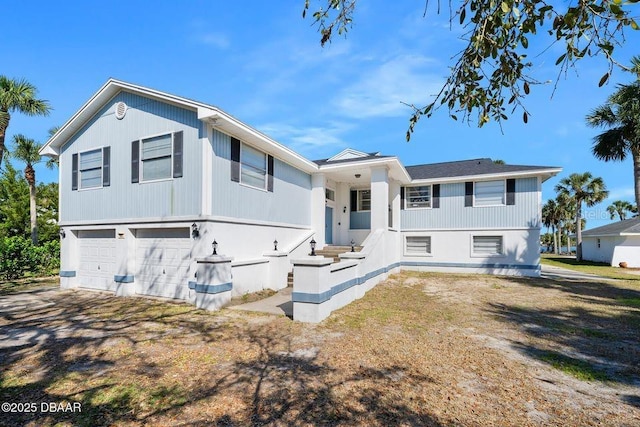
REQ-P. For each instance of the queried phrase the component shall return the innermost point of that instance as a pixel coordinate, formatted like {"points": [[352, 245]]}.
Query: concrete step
{"points": [[290, 279], [331, 251]]}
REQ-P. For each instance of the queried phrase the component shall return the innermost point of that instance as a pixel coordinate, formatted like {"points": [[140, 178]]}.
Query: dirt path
{"points": [[417, 350]]}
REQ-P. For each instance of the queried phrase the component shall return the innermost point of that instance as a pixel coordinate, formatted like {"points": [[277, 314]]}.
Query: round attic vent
{"points": [[121, 110]]}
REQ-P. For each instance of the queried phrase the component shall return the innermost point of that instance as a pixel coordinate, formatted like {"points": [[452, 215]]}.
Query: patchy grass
{"points": [[575, 367], [20, 285], [251, 297], [419, 349], [631, 302], [600, 269]]}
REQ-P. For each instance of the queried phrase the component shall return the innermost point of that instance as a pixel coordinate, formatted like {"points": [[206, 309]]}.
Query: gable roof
{"points": [[350, 153], [365, 157], [628, 226], [475, 168], [207, 113]]}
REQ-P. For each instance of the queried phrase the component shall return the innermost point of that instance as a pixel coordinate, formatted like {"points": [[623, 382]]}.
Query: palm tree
{"points": [[550, 219], [581, 188], [18, 95], [620, 115], [620, 208], [26, 150]]}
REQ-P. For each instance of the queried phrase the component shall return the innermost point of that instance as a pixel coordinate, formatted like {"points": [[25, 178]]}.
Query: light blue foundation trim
{"points": [[327, 295], [124, 279], [67, 273], [210, 289]]}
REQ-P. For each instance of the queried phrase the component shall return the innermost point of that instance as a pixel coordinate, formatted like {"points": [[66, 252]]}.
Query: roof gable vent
{"points": [[121, 110]]}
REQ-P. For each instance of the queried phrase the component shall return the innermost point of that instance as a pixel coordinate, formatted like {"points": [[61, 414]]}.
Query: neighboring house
{"points": [[613, 243], [149, 180]]}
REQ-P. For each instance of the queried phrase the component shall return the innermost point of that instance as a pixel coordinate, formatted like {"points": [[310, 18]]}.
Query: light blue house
{"points": [[149, 180]]}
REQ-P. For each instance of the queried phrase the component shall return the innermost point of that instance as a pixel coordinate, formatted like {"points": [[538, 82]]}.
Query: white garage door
{"points": [[97, 255], [162, 259]]}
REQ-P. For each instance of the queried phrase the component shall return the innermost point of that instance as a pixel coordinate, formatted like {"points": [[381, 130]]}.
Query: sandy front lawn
{"points": [[419, 349]]}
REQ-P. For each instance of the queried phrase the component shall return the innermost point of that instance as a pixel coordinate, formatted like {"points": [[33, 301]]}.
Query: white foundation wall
{"points": [[451, 251], [251, 246]]}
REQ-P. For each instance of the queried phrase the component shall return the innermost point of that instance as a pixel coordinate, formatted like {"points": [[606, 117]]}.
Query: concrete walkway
{"points": [[279, 304], [552, 272]]}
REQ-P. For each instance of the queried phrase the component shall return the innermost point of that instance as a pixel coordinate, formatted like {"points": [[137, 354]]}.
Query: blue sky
{"points": [[263, 63]]}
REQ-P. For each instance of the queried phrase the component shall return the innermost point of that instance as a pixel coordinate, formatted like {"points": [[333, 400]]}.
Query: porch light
{"points": [[353, 246], [275, 245], [313, 247], [215, 247], [195, 230], [62, 233]]}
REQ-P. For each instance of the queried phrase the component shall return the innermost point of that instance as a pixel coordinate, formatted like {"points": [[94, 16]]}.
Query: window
{"points": [[418, 245], [329, 194], [364, 200], [489, 193], [156, 158], [418, 197], [90, 169], [253, 167], [487, 245]]}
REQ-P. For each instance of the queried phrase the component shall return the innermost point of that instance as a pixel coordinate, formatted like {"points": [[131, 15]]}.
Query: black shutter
{"points": [[354, 200], [74, 172], [511, 192], [401, 198], [468, 194], [135, 161], [235, 159], [177, 154], [270, 173], [435, 200], [106, 166]]}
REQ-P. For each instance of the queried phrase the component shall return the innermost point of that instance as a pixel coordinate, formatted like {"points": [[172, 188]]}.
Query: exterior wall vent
{"points": [[121, 110]]}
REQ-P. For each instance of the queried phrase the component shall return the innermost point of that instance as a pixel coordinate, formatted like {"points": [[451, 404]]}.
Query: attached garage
{"points": [[97, 255], [163, 257]]}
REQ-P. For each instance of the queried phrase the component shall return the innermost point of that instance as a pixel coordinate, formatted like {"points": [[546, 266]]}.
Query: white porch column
{"points": [[394, 195], [317, 208], [379, 198]]}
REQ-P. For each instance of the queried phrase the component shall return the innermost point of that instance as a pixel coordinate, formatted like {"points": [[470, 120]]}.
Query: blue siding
{"points": [[360, 220], [145, 117], [289, 203], [452, 213]]}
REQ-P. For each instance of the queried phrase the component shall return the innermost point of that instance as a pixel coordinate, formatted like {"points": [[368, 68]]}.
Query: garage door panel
{"points": [[163, 258], [97, 259]]}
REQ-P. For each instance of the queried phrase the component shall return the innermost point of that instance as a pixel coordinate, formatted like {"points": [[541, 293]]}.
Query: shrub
{"points": [[18, 256]]}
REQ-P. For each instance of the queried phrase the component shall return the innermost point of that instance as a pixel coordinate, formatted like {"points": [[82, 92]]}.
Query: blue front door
{"points": [[328, 225]]}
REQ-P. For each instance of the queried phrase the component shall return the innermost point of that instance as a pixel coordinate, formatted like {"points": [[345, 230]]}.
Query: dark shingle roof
{"points": [[627, 226], [465, 168]]}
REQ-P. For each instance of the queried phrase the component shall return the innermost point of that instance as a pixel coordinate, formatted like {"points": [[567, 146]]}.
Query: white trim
{"points": [[481, 229], [182, 219], [359, 199], [406, 198], [413, 254], [504, 194], [266, 168], [473, 254], [97, 187], [352, 154], [141, 179], [488, 177]]}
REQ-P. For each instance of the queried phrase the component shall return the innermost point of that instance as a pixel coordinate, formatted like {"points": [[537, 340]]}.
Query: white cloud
{"points": [[384, 91], [312, 141], [623, 193], [217, 40]]}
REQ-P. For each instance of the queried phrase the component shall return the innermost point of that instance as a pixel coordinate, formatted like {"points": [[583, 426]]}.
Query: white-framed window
{"points": [[330, 194], [364, 200], [417, 245], [487, 246], [253, 167], [156, 157], [90, 169], [417, 197], [489, 193]]}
